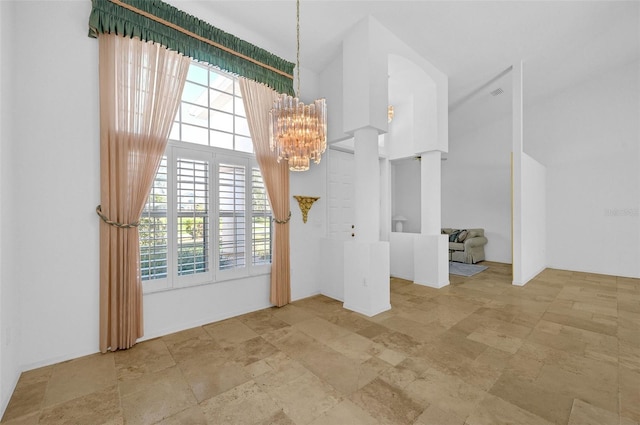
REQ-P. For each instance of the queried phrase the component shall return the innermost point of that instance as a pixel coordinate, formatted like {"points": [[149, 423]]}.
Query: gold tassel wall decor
{"points": [[305, 203]]}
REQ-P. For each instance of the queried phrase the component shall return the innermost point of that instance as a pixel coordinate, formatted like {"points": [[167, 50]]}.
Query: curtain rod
{"points": [[198, 37]]}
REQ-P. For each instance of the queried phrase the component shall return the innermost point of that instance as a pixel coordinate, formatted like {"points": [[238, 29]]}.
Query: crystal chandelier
{"points": [[298, 132]]}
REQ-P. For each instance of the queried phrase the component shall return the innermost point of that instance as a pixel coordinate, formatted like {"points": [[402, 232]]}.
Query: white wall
{"points": [[405, 194], [56, 176], [401, 250], [9, 291], [588, 138], [305, 237], [331, 83], [476, 185], [533, 219], [171, 311]]}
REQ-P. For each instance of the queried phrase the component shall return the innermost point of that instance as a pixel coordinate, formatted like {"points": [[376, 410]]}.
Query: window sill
{"points": [[212, 282]]}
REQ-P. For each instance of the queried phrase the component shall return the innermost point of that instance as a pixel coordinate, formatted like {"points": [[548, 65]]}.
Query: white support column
{"points": [[366, 258], [431, 259], [365, 101], [431, 192], [367, 186]]}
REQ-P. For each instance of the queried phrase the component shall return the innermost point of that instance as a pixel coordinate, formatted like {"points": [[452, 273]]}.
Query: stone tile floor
{"points": [[564, 349]]}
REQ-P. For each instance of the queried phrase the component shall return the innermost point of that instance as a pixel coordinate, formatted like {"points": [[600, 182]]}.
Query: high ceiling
{"points": [[561, 42]]}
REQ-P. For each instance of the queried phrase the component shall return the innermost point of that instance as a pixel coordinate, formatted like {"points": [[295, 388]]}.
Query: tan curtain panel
{"points": [[258, 100], [140, 88]]}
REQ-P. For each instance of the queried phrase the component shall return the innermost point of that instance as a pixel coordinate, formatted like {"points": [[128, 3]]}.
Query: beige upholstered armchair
{"points": [[466, 245]]}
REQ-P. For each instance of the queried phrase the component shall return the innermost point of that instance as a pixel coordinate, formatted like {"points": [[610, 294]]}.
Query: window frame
{"points": [[214, 156]]}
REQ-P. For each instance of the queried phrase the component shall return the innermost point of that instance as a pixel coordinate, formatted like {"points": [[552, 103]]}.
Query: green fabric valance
{"points": [[110, 17]]}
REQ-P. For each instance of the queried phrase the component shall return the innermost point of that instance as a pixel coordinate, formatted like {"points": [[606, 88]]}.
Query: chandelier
{"points": [[298, 132]]}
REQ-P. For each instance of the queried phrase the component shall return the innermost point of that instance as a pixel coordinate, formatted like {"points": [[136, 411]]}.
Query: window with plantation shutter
{"points": [[207, 218]]}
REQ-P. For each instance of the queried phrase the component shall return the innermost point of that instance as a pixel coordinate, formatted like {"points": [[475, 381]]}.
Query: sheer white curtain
{"points": [[258, 100], [140, 89]]}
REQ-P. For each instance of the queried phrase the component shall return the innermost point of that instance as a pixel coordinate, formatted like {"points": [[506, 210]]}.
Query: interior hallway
{"points": [[564, 349]]}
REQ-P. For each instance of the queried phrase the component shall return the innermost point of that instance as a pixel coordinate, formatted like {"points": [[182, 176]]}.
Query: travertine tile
{"points": [[258, 368], [191, 344], [145, 357], [496, 411], [352, 346], [158, 395], [399, 342], [191, 416], [497, 340], [27, 398], [629, 394], [564, 349], [80, 377], [433, 415], [304, 398], [447, 393], [263, 321], [398, 376], [229, 332], [208, 377], [320, 329], [344, 374], [292, 314], [251, 350], [30, 419], [279, 418], [547, 402], [386, 403], [345, 412], [244, 404], [583, 413], [595, 386], [99, 408]]}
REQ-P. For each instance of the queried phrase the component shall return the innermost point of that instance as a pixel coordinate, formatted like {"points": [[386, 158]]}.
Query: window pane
{"points": [[260, 220], [175, 131], [153, 228], [242, 126], [192, 114], [244, 144], [221, 82], [240, 107], [192, 216], [221, 101], [221, 140], [193, 134], [197, 73], [231, 201], [194, 93], [221, 121]]}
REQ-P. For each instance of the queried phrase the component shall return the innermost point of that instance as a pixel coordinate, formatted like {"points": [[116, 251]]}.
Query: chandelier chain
{"points": [[298, 46]]}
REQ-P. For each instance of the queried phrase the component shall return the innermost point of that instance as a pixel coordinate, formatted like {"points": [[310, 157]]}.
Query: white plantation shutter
{"points": [[153, 229], [232, 227], [192, 186], [260, 220]]}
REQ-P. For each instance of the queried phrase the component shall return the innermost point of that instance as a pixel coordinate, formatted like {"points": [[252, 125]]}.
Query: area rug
{"points": [[463, 269]]}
